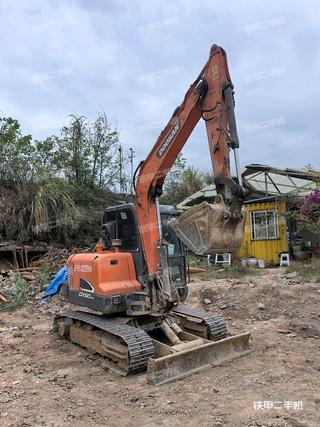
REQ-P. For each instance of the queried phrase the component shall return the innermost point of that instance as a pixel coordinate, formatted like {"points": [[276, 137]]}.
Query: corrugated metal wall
{"points": [[268, 249]]}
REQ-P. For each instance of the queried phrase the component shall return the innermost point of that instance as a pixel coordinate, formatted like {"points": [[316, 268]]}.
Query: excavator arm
{"points": [[210, 97]]}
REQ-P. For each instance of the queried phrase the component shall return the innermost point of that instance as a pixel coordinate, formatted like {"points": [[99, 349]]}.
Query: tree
{"points": [[183, 181], [172, 183], [16, 151], [103, 142], [84, 153], [57, 188]]}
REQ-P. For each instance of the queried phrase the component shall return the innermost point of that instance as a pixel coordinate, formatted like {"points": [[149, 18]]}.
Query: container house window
{"points": [[264, 225]]}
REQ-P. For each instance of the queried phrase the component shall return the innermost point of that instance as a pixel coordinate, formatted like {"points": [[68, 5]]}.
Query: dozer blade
{"points": [[207, 228], [183, 363]]}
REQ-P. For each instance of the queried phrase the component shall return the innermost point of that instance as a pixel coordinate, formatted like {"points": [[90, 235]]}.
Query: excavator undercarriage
{"points": [[183, 343]]}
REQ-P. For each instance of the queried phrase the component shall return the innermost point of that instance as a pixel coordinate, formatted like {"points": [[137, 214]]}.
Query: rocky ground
{"points": [[46, 381]]}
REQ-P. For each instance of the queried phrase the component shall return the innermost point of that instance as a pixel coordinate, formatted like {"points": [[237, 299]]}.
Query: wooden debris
{"points": [[195, 270], [3, 298], [28, 277]]}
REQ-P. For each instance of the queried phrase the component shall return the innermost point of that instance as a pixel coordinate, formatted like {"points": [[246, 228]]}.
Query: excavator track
{"points": [[139, 345], [128, 349], [215, 326]]}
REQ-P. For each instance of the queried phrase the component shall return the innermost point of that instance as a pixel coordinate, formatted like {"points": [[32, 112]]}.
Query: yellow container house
{"points": [[273, 193], [265, 235]]}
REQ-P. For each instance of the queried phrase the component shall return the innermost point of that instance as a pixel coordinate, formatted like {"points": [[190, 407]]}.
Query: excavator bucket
{"points": [[195, 356], [208, 228]]}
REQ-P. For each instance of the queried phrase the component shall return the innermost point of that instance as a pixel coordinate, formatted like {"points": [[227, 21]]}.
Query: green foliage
{"points": [[42, 279], [34, 209], [20, 292], [16, 151], [56, 189], [208, 178], [18, 295], [83, 153], [183, 181]]}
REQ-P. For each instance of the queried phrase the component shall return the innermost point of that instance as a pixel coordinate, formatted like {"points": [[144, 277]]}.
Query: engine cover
{"points": [[104, 274]]}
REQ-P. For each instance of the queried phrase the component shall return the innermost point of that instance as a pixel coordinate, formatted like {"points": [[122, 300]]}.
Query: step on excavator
{"points": [[133, 288]]}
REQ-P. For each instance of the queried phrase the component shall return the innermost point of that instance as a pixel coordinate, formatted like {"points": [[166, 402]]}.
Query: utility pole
{"points": [[120, 169], [131, 157]]}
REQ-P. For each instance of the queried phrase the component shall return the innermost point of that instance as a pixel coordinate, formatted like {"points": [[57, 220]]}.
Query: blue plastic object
{"points": [[56, 282]]}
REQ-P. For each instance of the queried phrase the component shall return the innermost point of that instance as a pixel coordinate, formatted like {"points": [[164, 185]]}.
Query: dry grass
{"points": [[309, 270], [29, 210], [213, 272], [232, 272]]}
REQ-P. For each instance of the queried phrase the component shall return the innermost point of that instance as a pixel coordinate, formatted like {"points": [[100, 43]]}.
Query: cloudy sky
{"points": [[135, 59]]}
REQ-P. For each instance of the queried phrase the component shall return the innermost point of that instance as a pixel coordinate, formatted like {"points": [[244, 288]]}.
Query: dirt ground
{"points": [[46, 381]]}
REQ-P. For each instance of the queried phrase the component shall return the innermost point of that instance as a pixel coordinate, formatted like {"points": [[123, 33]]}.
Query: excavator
{"points": [[133, 287]]}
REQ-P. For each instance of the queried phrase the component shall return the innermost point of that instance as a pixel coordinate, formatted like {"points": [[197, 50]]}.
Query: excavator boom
{"points": [[209, 228]]}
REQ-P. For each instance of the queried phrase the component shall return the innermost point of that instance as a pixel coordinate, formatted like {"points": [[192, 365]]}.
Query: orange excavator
{"points": [[134, 286]]}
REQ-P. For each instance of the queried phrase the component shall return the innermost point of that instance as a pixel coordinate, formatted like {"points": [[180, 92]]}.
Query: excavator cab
{"points": [[120, 223], [176, 251]]}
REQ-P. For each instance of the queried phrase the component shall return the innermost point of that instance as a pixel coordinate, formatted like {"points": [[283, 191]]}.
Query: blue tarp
{"points": [[56, 282]]}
